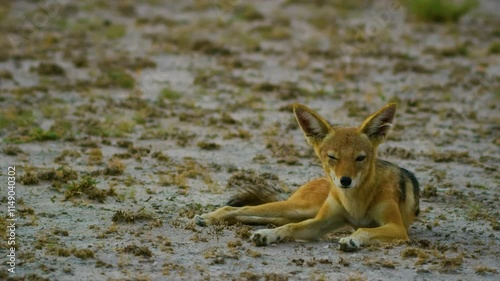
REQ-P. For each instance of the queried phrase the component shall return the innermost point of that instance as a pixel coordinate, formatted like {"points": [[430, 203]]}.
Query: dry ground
{"points": [[125, 120]]}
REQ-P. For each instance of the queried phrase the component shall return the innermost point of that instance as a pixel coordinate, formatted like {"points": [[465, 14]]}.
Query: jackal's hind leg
{"points": [[277, 213], [327, 219]]}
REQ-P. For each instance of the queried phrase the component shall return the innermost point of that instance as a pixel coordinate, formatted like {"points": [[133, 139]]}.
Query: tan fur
{"points": [[374, 197]]}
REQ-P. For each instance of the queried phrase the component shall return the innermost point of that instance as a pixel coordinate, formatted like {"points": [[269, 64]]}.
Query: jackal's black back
{"points": [[406, 176]]}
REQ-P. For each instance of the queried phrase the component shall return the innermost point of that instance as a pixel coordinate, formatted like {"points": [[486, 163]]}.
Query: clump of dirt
{"points": [[131, 217], [140, 251], [158, 155], [429, 191], [48, 68], [12, 150], [116, 78], [5, 74], [115, 167], [208, 145], [59, 251], [83, 253]]}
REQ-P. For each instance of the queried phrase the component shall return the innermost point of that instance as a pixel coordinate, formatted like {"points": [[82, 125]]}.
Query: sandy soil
{"points": [[125, 120]]}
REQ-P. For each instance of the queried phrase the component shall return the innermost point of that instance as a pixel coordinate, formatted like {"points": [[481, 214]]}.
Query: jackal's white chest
{"points": [[361, 222], [356, 214]]}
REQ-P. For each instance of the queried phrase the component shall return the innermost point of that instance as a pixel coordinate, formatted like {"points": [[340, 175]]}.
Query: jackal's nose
{"points": [[345, 181]]}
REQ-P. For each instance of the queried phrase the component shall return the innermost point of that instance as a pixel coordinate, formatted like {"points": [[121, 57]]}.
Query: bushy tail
{"points": [[254, 189], [254, 195]]}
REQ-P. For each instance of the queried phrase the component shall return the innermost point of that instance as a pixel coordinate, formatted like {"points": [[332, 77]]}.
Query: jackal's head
{"points": [[347, 154]]}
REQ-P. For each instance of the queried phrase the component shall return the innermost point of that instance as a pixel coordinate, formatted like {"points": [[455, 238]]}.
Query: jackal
{"points": [[377, 198]]}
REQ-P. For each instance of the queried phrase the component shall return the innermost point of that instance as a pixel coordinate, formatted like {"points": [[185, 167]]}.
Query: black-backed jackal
{"points": [[378, 199]]}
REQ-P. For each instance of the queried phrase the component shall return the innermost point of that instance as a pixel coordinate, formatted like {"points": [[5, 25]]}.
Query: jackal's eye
{"points": [[331, 156], [360, 158]]}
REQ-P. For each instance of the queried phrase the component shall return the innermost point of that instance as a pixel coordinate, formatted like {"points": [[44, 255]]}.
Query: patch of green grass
{"points": [[155, 20], [115, 31], [459, 50], [116, 78], [124, 61], [29, 178], [494, 48], [247, 12], [112, 126], [140, 117], [35, 134], [4, 10], [16, 117], [42, 135], [49, 110], [273, 32], [476, 212], [62, 127], [98, 27], [87, 186], [440, 10], [82, 186], [58, 176], [121, 128], [170, 94]]}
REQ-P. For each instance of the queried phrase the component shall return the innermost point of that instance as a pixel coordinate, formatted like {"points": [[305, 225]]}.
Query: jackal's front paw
{"points": [[200, 220], [265, 237], [349, 244]]}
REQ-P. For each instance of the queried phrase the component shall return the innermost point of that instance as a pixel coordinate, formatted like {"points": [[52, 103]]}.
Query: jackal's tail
{"points": [[254, 189]]}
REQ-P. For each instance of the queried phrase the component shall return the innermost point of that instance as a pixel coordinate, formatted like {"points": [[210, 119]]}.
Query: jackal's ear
{"points": [[378, 124], [315, 128]]}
